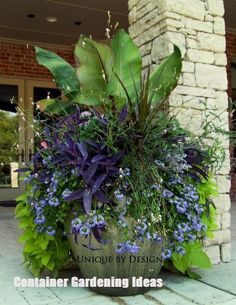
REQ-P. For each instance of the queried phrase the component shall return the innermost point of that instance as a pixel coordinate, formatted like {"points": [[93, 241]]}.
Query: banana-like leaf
{"points": [[125, 81], [63, 73], [165, 78], [55, 107], [93, 70]]}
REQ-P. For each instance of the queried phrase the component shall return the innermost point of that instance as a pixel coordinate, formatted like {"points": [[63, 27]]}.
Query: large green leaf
{"points": [[93, 70], [55, 107], [125, 80], [165, 78], [63, 73]]}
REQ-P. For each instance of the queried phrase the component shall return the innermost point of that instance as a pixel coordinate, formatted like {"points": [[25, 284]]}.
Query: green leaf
{"points": [[127, 67], [22, 197], [42, 241], [54, 106], [193, 275], [22, 212], [63, 73], [181, 262], [30, 247], [19, 206], [93, 70], [200, 259], [26, 222], [51, 265], [45, 259], [165, 78], [27, 235]]}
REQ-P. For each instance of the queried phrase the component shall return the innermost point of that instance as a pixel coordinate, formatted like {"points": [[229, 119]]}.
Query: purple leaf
{"points": [[116, 157], [100, 196], [87, 200], [75, 195], [83, 150], [59, 158], [96, 234], [92, 143], [77, 114], [123, 114], [88, 175], [98, 182], [98, 157]]}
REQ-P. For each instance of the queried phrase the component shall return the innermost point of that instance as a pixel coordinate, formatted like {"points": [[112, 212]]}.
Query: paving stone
{"points": [[167, 297], [231, 302], [137, 300], [70, 292], [36, 296], [196, 291]]}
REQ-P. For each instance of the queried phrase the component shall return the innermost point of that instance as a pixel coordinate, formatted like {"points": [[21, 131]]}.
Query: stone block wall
{"points": [[197, 27]]}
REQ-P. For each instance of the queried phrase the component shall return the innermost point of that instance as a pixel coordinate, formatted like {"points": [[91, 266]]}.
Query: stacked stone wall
{"points": [[197, 27]]}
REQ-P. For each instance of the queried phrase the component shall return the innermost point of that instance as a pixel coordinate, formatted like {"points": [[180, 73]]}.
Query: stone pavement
{"points": [[217, 286]]}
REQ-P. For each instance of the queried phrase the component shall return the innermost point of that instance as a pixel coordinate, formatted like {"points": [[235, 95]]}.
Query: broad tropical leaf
{"points": [[93, 70], [165, 78], [127, 67], [63, 73], [55, 107]]}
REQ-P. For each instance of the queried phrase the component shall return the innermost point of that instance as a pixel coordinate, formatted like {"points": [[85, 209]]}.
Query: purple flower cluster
{"points": [[84, 228], [127, 247]]}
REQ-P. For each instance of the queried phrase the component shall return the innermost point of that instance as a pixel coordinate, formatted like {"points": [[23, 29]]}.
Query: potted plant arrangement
{"points": [[117, 183]]}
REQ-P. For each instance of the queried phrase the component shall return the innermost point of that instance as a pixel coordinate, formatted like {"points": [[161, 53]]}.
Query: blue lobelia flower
{"points": [[182, 207], [183, 227], [167, 194], [179, 236], [54, 202], [197, 224], [40, 219], [180, 250], [66, 193], [50, 231], [76, 224], [84, 230], [166, 253]]}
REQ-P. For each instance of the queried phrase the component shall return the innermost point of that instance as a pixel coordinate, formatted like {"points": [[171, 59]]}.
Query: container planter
{"points": [[122, 167], [105, 263]]}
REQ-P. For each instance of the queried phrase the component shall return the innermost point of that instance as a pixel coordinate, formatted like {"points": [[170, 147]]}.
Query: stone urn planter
{"points": [[131, 274]]}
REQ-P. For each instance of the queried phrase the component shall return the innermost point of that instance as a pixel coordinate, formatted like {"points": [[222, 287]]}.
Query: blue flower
{"points": [[40, 219], [66, 193], [54, 202], [154, 236], [191, 237], [183, 227], [124, 172], [180, 250], [167, 194], [121, 248], [50, 231], [99, 220], [166, 253], [159, 163], [198, 208], [127, 247], [155, 187], [141, 228], [84, 230], [119, 195], [179, 236], [76, 224], [197, 224], [182, 207], [133, 248]]}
